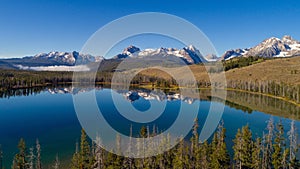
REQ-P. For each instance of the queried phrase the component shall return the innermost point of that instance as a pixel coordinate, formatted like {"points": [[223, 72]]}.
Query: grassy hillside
{"points": [[285, 70]]}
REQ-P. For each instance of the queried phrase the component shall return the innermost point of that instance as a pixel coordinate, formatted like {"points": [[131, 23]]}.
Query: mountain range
{"points": [[271, 47], [60, 61]]}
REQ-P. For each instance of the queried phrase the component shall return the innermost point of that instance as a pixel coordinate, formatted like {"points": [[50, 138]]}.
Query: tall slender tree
{"points": [[20, 160], [56, 164], [277, 155], [85, 159], [268, 145], [292, 134], [238, 149], [98, 153], [256, 154], [31, 156], [223, 155], [38, 155]]}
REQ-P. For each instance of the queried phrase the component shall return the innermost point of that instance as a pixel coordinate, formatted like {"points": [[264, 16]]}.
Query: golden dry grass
{"points": [[285, 70]]}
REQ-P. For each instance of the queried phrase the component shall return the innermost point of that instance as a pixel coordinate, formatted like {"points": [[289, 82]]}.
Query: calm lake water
{"points": [[50, 116]]}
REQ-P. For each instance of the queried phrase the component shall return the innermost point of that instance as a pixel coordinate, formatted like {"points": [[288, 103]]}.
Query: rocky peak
{"points": [[131, 49]]}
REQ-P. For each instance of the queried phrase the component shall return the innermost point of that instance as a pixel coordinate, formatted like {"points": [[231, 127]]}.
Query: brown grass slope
{"points": [[285, 70]]}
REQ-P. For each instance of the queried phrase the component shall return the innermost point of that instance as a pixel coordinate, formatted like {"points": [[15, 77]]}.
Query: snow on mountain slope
{"points": [[189, 54], [271, 47], [67, 58]]}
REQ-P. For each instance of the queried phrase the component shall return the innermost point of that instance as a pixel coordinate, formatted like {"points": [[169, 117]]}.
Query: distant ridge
{"points": [[60, 61], [271, 47]]}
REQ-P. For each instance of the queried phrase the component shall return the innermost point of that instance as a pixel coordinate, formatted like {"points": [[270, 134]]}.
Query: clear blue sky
{"points": [[28, 27]]}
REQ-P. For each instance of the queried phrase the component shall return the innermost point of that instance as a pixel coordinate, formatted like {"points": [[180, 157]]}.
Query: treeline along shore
{"points": [[274, 149], [252, 74]]}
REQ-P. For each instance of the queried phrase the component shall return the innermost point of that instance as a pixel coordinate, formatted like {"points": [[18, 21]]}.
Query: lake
{"points": [[49, 115]]}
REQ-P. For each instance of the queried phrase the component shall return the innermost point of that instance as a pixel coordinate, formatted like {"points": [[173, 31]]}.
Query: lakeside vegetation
{"points": [[275, 149], [274, 77], [241, 75]]}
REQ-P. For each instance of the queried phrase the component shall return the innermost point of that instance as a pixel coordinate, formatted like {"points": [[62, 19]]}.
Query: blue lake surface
{"points": [[51, 118]]}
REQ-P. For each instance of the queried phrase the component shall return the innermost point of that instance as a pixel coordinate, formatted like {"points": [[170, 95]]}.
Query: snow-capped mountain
{"points": [[67, 58], [66, 61], [52, 61], [188, 54], [234, 53], [271, 47], [157, 94]]}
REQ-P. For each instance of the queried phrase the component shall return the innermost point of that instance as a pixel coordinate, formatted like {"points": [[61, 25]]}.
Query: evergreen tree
{"points": [[31, 158], [38, 155], [143, 132], [195, 149], [56, 163], [178, 161], [20, 161], [278, 147], [85, 159], [214, 163], [243, 148], [98, 154], [256, 154], [246, 153], [119, 159], [223, 155], [237, 147], [204, 154], [76, 158], [219, 154], [268, 145], [292, 134], [285, 159], [129, 161]]}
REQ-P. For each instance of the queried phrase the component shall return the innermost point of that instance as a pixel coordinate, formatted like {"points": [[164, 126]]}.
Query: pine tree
{"points": [[292, 134], [243, 148], [268, 145], [129, 161], [119, 159], [204, 154], [111, 157], [195, 149], [31, 158], [285, 159], [38, 155], [20, 161], [98, 153], [85, 159], [214, 163], [162, 159], [256, 154], [143, 132], [56, 163], [238, 149], [76, 158], [278, 147], [178, 161], [223, 155], [246, 156]]}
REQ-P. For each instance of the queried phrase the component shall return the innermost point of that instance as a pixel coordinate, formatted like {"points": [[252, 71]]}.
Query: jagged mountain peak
{"points": [[271, 47], [289, 40], [65, 58], [131, 49], [189, 54]]}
